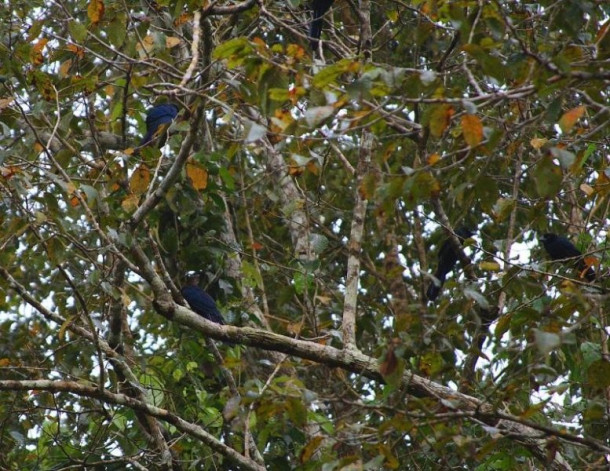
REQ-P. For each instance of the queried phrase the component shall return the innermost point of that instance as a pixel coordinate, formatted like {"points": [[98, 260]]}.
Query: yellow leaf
{"points": [[198, 175], [440, 117], [5, 102], [489, 266], [587, 189], [62, 329], [602, 185], [130, 203], [472, 129], [569, 118], [95, 11], [64, 68], [538, 142], [146, 45], [171, 41], [309, 449], [139, 181]]}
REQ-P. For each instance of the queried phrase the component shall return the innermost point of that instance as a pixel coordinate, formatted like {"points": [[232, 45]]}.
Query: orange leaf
{"points": [[390, 363], [433, 158], [198, 175], [569, 118], [8, 172], [295, 171], [64, 68], [95, 11], [139, 181], [308, 450], [182, 19], [312, 166], [36, 52], [79, 51], [472, 129]]}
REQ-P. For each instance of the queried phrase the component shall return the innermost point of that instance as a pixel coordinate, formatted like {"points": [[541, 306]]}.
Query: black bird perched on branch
{"points": [[447, 258], [202, 303], [158, 119], [560, 248], [319, 8]]}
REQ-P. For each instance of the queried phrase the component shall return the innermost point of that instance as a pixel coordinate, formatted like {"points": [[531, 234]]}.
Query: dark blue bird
{"points": [[560, 248], [202, 303], [319, 8], [158, 119], [447, 258]]}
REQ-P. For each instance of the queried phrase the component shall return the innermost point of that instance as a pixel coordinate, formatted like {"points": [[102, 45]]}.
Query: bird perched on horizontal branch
{"points": [[447, 258], [560, 248], [158, 119], [202, 303]]}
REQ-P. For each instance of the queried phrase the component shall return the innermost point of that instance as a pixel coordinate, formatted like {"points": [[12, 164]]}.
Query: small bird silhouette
{"points": [[158, 119], [201, 302], [447, 258], [560, 248]]}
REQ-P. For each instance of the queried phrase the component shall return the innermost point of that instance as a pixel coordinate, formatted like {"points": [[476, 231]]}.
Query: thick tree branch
{"points": [[124, 400], [352, 277]]}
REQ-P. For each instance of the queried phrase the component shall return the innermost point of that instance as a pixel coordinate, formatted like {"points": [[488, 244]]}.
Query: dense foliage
{"points": [[312, 190]]}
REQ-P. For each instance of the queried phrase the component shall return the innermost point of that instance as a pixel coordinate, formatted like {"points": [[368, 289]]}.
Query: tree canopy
{"points": [[311, 191]]}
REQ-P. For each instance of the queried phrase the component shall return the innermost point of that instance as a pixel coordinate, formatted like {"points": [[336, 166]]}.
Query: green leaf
{"points": [[547, 177], [330, 73], [78, 31], [598, 374], [565, 157], [546, 341], [239, 47], [303, 282]]}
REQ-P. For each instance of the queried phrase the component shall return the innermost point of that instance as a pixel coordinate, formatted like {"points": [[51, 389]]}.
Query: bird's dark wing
{"points": [[202, 303], [157, 117], [433, 291], [319, 8], [560, 248], [447, 258]]}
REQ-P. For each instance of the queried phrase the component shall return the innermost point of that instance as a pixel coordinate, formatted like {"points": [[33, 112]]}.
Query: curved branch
{"points": [[124, 400]]}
